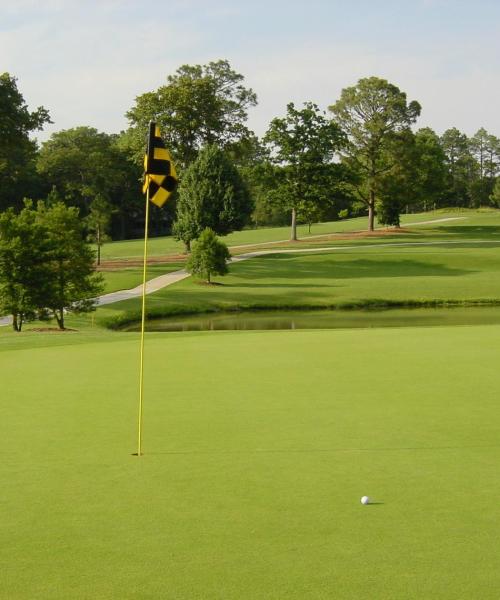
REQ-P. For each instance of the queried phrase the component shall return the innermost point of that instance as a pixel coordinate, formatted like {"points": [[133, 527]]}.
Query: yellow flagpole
{"points": [[143, 321]]}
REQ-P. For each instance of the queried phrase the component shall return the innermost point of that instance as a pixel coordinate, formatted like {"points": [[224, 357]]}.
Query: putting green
{"points": [[258, 449]]}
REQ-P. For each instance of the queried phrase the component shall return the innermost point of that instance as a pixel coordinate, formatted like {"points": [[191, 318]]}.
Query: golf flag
{"points": [[160, 178]]}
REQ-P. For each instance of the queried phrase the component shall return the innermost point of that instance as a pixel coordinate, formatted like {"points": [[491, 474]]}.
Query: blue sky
{"points": [[87, 60]]}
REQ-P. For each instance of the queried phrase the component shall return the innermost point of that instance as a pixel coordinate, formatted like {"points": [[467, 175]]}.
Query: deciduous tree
{"points": [[212, 194], [73, 283], [209, 256], [17, 149], [83, 164], [431, 171], [302, 146], [371, 113], [199, 105], [495, 194], [24, 269]]}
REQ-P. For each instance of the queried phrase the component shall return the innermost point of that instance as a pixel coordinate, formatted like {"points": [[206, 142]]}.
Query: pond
{"points": [[326, 319]]}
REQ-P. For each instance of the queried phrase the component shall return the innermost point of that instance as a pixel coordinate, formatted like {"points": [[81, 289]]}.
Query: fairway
{"points": [[161, 246], [258, 448]]}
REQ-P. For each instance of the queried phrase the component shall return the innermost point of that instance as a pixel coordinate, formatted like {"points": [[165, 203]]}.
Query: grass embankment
{"points": [[442, 265], [258, 448]]}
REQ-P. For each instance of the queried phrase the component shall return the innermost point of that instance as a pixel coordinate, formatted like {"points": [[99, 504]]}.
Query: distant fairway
{"points": [[161, 246], [258, 448]]}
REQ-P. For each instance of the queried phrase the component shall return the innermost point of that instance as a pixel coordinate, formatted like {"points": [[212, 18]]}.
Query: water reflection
{"points": [[326, 319]]}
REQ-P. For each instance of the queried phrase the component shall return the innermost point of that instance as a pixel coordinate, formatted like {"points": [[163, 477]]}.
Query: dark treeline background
{"points": [[364, 156]]}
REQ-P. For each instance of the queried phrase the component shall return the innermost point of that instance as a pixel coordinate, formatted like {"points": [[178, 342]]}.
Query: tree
{"points": [[492, 166], [371, 113], [83, 164], [302, 146], [24, 273], [478, 145], [495, 194], [46, 268], [485, 150], [199, 105], [461, 166], [212, 194], [397, 186], [431, 170], [209, 256], [17, 151], [98, 222], [72, 281], [267, 211]]}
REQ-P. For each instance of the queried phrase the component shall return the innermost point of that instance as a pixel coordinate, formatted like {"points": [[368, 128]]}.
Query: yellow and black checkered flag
{"points": [[160, 177]]}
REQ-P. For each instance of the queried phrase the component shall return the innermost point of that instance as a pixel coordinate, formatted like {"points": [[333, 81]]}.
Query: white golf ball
{"points": [[365, 500]]}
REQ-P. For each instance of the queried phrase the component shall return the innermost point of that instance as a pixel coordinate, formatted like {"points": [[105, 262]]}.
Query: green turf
{"points": [[448, 261], [465, 271], [259, 445], [167, 245], [258, 448]]}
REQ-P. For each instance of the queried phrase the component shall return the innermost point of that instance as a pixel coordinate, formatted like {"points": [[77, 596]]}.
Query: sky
{"points": [[86, 61]]}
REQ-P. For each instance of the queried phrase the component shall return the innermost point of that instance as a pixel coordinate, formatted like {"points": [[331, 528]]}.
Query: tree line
{"points": [[363, 156]]}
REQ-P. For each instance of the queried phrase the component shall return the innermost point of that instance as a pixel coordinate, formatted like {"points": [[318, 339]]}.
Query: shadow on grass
{"points": [[467, 231], [290, 284], [337, 267]]}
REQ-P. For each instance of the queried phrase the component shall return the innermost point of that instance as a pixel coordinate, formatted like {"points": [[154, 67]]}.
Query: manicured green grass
{"points": [[167, 245], [259, 445], [456, 261], [258, 448], [358, 276]]}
